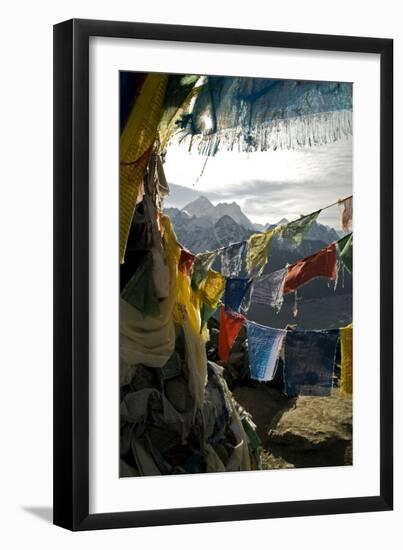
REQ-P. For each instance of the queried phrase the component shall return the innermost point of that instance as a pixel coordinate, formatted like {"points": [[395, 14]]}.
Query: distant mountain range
{"points": [[200, 225]]}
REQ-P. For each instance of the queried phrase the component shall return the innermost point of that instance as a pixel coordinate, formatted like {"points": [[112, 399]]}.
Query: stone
{"points": [[299, 431], [315, 431]]}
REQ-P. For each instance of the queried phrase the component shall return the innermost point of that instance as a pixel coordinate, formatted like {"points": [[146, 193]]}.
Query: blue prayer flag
{"points": [[235, 291], [264, 345], [309, 362]]}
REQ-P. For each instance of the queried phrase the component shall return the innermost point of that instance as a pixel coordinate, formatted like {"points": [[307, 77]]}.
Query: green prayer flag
{"points": [[140, 291], [296, 230], [205, 313], [345, 249], [201, 267]]}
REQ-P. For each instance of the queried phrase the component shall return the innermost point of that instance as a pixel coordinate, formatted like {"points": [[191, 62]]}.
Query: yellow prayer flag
{"points": [[258, 250], [212, 288], [346, 374], [136, 144]]}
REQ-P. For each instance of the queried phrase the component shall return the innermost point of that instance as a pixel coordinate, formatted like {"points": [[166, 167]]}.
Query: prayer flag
{"points": [[212, 288], [269, 289], [264, 345], [186, 261], [295, 231], [345, 249], [309, 361], [235, 291], [136, 144], [140, 290], [346, 345], [232, 259], [205, 313], [230, 325], [346, 207], [201, 267], [258, 250], [320, 264]]}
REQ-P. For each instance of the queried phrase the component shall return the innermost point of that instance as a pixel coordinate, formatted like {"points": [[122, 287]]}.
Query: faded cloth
{"points": [[230, 325], [320, 264], [345, 249], [235, 292], [196, 361], [201, 267], [269, 289], [346, 345], [136, 144], [145, 340], [160, 271], [346, 214], [188, 300], [233, 259], [295, 231], [205, 313], [257, 114], [264, 345], [140, 291], [309, 362], [258, 251], [136, 408], [186, 261]]}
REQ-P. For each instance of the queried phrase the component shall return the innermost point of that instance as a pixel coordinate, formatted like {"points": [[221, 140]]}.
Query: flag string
{"points": [[280, 227]]}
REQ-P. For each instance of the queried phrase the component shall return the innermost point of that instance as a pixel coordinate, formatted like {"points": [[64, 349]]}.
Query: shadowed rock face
{"points": [[300, 432]]}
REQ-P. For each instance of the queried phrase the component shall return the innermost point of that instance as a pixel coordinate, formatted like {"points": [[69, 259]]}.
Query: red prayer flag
{"points": [[320, 264], [230, 325], [186, 261]]}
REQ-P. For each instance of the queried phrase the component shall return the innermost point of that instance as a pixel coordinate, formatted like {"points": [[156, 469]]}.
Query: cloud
{"points": [[272, 185]]}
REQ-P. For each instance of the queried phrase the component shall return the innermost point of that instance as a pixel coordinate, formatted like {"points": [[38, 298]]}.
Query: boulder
{"points": [[300, 431], [315, 431]]}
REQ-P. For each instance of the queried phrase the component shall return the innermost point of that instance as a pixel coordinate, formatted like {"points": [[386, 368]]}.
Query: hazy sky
{"points": [[269, 185]]}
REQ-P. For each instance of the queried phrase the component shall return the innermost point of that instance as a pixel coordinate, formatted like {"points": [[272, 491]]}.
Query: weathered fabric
{"points": [[294, 231], [235, 292], [160, 271], [202, 266], [205, 313], [346, 367], [145, 340], [136, 144], [140, 290], [145, 410], [233, 259], [162, 187], [255, 114], [212, 288], [346, 214], [137, 406], [180, 91], [150, 340], [258, 251], [345, 250], [320, 264], [230, 325], [188, 300], [196, 361], [264, 346], [269, 289], [309, 362], [186, 261]]}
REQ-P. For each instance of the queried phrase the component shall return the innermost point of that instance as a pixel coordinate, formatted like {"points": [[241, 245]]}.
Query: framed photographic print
{"points": [[220, 353]]}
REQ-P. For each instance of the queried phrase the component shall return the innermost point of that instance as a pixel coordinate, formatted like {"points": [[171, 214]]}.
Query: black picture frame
{"points": [[71, 274]]}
